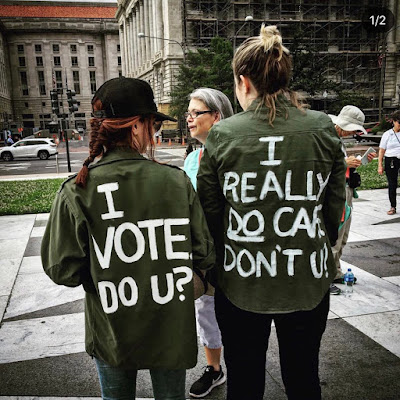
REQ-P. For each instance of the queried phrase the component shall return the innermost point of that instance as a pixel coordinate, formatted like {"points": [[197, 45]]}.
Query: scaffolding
{"points": [[353, 54]]}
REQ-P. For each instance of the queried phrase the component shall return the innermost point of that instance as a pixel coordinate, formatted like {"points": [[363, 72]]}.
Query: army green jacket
{"points": [[131, 238], [273, 197]]}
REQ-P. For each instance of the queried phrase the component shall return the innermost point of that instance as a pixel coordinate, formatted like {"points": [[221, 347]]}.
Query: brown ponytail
{"points": [[266, 61]]}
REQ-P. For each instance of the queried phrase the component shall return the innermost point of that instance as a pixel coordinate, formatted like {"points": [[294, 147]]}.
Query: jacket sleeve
{"points": [[65, 250], [335, 196], [202, 243], [211, 195]]}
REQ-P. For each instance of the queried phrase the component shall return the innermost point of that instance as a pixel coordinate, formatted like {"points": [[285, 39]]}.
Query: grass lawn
{"points": [[28, 197], [370, 179]]}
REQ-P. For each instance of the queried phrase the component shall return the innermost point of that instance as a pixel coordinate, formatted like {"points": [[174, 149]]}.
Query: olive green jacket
{"points": [[131, 238], [273, 198]]}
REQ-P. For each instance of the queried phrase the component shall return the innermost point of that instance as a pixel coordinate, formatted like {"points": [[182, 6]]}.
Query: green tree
{"points": [[204, 68]]}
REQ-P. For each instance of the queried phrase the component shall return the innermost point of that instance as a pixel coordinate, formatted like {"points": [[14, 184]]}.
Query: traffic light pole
{"points": [[72, 103], [65, 133]]}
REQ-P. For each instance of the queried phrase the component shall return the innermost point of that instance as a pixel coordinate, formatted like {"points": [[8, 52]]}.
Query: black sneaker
{"points": [[334, 289], [209, 380]]}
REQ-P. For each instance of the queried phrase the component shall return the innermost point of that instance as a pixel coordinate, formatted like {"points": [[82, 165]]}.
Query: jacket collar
{"points": [[261, 111], [118, 154]]}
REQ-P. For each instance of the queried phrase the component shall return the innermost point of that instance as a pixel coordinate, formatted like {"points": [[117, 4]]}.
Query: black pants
{"points": [[392, 165], [245, 338]]}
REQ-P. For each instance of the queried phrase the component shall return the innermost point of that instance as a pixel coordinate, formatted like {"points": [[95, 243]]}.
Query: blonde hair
{"points": [[267, 63]]}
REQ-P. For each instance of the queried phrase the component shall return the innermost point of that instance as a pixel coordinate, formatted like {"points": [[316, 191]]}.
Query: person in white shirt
{"points": [[389, 148]]}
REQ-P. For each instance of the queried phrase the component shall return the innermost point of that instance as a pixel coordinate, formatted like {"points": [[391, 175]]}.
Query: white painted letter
{"points": [[252, 269], [271, 149], [231, 186], [155, 290], [107, 188], [139, 242], [260, 221], [151, 226], [232, 265], [323, 258], [103, 286], [322, 183], [277, 216], [169, 238], [246, 187], [288, 188], [310, 195], [270, 177], [104, 260], [291, 253], [134, 291], [270, 267]]}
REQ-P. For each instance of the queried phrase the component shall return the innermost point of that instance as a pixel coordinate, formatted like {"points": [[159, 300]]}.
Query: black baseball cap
{"points": [[127, 97]]}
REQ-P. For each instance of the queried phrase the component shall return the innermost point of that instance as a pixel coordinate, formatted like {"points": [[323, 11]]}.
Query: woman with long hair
{"points": [[130, 230], [271, 182]]}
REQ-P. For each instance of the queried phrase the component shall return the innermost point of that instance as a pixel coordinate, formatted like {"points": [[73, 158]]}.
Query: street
{"points": [[59, 164]]}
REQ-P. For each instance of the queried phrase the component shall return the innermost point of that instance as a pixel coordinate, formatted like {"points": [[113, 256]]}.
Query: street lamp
{"points": [[142, 35], [247, 19]]}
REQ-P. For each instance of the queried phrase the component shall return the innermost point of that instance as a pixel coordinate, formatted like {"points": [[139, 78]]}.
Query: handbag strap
{"points": [[396, 136], [202, 278]]}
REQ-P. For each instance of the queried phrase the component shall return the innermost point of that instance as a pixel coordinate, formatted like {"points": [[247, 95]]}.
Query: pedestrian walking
{"points": [[271, 182], [389, 149], [130, 230]]}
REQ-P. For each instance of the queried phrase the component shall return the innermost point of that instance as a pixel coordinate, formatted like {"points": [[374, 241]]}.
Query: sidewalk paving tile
{"points": [[42, 330]]}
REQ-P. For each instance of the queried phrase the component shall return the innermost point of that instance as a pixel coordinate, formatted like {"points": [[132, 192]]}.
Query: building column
{"points": [[151, 28], [122, 48], [159, 23], [134, 42], [126, 49], [142, 29]]}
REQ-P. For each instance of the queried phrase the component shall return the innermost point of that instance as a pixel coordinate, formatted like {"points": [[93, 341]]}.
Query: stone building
{"points": [[5, 85], [152, 45], [72, 44], [362, 60]]}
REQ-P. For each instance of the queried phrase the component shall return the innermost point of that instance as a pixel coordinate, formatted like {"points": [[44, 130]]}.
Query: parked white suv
{"points": [[42, 148]]}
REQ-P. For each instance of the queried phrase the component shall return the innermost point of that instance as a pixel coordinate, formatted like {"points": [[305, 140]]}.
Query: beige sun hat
{"points": [[350, 118]]}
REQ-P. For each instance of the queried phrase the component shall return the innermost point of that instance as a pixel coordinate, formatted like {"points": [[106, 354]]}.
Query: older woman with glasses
{"points": [[207, 107]]}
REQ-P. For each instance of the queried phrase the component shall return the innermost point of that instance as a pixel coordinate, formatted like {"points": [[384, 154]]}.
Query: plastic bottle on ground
{"points": [[348, 283]]}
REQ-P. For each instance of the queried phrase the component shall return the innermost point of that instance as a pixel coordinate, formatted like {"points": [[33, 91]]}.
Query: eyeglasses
{"points": [[195, 114]]}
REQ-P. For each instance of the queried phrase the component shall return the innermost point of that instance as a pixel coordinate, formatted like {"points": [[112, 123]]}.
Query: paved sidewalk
{"points": [[42, 333]]}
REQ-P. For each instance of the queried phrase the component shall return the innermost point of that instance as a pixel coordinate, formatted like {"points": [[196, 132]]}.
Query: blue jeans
{"points": [[120, 384]]}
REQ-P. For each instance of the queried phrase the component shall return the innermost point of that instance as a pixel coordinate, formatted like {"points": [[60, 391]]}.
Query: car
{"points": [[42, 148]]}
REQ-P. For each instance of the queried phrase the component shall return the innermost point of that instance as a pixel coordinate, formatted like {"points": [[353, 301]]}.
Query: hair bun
{"points": [[272, 39]]}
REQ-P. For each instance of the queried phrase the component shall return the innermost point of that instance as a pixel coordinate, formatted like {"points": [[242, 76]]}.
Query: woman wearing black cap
{"points": [[130, 230]]}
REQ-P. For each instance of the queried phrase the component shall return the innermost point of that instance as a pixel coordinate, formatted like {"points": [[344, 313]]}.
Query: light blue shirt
{"points": [[191, 166]]}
